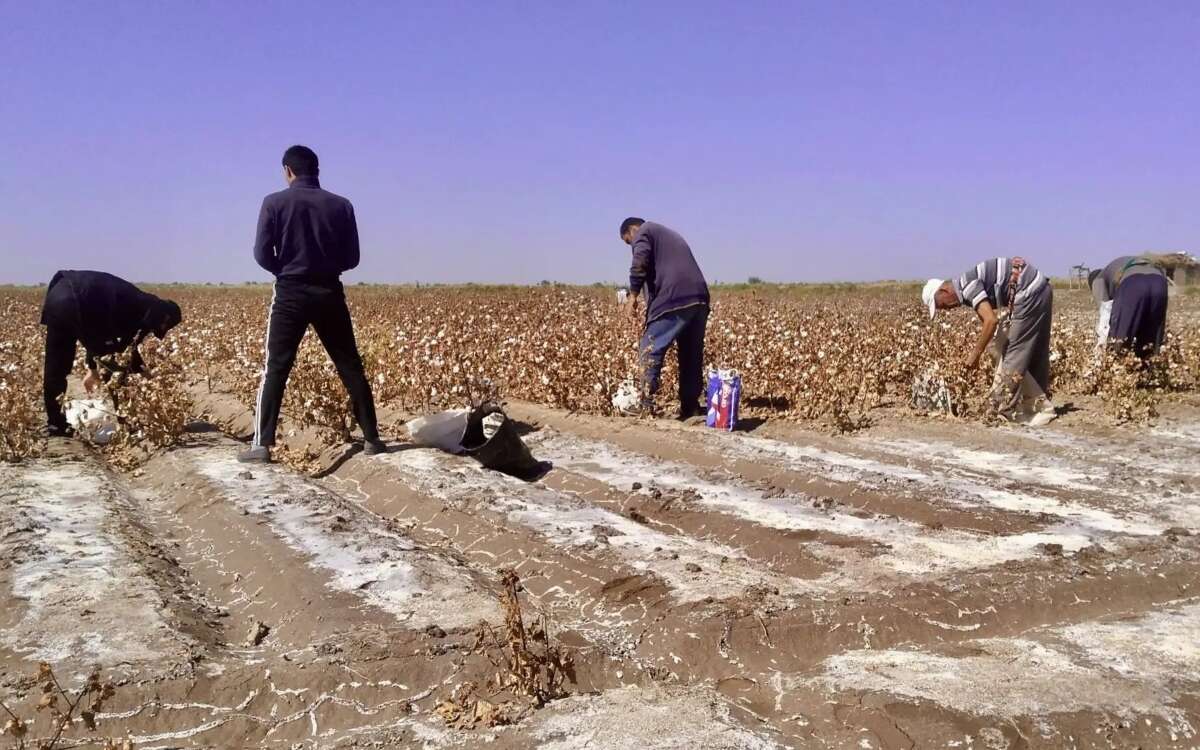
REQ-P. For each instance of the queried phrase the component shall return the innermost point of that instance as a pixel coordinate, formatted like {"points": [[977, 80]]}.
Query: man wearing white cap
{"points": [[999, 284]]}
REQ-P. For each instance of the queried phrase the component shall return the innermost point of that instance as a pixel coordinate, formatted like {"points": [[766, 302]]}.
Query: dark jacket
{"points": [[306, 232], [663, 264], [105, 313]]}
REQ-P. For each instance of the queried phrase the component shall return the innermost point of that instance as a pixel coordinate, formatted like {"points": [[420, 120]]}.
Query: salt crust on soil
{"points": [[382, 567], [1126, 482], [1155, 507], [1128, 668], [915, 550], [958, 489], [1164, 645], [85, 599], [1159, 451], [1188, 434], [646, 719], [1012, 466]]}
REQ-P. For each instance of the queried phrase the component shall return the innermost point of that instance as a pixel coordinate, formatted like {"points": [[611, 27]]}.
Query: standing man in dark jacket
{"points": [[1137, 288], [107, 315], [676, 309], [307, 237]]}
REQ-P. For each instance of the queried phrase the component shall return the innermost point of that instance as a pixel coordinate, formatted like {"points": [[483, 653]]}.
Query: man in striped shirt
{"points": [[987, 288]]}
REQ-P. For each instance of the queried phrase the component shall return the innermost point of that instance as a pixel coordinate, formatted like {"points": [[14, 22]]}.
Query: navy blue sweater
{"points": [[306, 232], [664, 266]]}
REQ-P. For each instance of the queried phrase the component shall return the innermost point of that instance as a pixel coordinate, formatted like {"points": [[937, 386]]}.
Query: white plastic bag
{"points": [[443, 430], [1102, 323], [92, 419]]}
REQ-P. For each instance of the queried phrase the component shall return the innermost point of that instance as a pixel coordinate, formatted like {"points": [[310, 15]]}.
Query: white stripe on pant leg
{"points": [[266, 362]]}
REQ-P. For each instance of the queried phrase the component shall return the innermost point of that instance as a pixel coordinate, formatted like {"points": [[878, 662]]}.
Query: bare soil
{"points": [[924, 583]]}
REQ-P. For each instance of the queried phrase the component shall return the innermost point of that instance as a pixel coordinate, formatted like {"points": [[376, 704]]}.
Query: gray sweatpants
{"points": [[1028, 349]]}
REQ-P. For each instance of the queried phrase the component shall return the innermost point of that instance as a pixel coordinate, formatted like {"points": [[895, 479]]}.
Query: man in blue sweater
{"points": [[676, 309], [307, 238]]}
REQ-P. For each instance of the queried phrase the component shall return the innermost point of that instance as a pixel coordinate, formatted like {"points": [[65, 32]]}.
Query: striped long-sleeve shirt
{"points": [[989, 281]]}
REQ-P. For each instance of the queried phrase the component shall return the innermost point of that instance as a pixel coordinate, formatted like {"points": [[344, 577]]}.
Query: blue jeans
{"points": [[685, 328]]}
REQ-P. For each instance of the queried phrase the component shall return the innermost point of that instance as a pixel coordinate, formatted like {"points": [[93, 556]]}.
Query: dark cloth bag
{"points": [[504, 451]]}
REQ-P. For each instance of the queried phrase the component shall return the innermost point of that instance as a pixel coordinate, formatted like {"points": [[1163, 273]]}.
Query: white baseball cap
{"points": [[927, 294]]}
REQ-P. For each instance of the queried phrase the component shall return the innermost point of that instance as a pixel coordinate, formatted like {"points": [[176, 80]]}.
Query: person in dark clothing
{"points": [[1137, 288], [307, 237], [677, 304], [104, 313]]}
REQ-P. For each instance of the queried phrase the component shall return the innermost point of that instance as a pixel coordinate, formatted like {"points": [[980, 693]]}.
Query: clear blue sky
{"points": [[504, 141]]}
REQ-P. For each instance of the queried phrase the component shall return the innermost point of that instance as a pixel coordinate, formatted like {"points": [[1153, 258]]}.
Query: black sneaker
{"points": [[374, 447], [60, 431], [686, 412]]}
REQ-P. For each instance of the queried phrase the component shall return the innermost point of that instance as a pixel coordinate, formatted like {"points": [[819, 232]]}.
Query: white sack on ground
{"points": [[92, 419], [443, 430]]}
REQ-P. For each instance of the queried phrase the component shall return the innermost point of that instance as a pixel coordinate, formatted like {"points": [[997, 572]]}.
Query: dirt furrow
{"points": [[899, 549], [84, 582], [995, 485], [601, 576], [751, 591], [811, 465], [245, 524]]}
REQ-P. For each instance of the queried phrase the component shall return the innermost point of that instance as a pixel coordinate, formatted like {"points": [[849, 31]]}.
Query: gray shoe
{"points": [[644, 409], [374, 447], [255, 454]]}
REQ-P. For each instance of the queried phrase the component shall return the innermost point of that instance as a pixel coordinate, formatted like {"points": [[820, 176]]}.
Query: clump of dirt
{"points": [[1175, 532], [258, 633], [671, 497], [824, 503]]}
